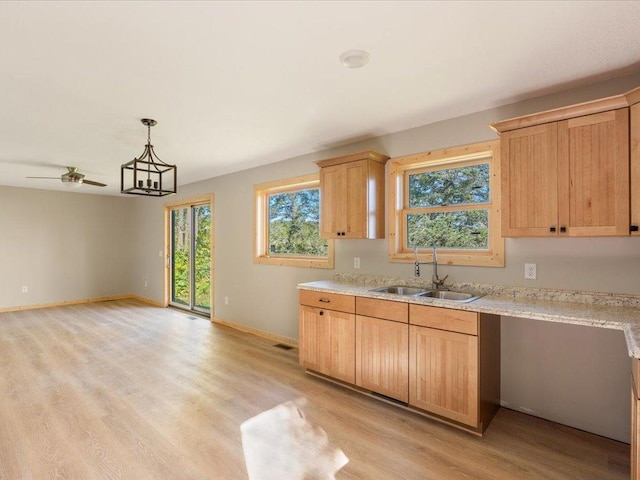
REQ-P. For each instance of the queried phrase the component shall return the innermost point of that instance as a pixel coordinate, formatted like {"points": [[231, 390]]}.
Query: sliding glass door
{"points": [[190, 260]]}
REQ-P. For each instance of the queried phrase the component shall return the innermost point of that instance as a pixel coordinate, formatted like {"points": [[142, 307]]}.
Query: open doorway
{"points": [[190, 255]]}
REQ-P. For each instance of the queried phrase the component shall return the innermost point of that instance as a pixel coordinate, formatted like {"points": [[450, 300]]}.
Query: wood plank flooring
{"points": [[123, 390]]}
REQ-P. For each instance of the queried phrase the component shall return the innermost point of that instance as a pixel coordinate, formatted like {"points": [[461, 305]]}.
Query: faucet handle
{"points": [[439, 282]]}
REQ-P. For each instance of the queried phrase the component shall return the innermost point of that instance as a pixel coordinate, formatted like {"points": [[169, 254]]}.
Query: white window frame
{"points": [[401, 168], [261, 252]]}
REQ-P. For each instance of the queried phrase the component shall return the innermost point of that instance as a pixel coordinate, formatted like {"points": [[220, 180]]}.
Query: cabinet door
{"points": [[635, 167], [314, 340], [635, 433], [635, 420], [356, 174], [529, 165], [343, 345], [344, 200], [382, 354], [593, 160], [327, 342], [333, 211], [443, 373]]}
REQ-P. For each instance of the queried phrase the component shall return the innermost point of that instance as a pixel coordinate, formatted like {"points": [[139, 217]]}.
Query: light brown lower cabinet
{"points": [[454, 364], [635, 421], [382, 351], [436, 361], [328, 342], [444, 374], [327, 337]]}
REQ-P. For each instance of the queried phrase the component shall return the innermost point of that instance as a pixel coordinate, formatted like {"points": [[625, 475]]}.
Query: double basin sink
{"points": [[460, 297]]}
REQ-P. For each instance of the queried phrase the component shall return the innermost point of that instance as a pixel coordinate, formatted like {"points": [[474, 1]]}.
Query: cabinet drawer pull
{"points": [[324, 300], [634, 228]]}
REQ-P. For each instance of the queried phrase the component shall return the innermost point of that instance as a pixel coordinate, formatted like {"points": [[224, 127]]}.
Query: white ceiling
{"points": [[240, 84]]}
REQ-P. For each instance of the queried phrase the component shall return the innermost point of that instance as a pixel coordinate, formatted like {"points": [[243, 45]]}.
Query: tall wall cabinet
{"points": [[352, 196]]}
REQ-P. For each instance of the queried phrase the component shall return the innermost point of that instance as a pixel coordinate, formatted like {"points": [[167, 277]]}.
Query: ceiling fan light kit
{"points": [[148, 175], [72, 182]]}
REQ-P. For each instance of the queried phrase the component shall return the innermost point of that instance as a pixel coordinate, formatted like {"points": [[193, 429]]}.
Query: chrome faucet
{"points": [[436, 281]]}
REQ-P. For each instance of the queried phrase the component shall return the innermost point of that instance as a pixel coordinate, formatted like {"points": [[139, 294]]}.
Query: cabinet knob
{"points": [[321, 312], [634, 228], [563, 229], [552, 229]]}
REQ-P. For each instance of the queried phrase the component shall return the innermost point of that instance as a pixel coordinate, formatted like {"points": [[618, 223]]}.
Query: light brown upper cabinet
{"points": [[565, 172], [529, 163], [352, 196]]}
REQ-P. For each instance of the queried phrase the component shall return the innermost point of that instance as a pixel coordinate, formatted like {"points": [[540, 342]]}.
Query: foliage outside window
{"points": [[287, 224], [181, 220], [448, 199], [189, 241]]}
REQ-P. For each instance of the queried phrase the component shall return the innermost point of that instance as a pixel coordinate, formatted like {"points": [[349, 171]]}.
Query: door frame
{"points": [[185, 203]]}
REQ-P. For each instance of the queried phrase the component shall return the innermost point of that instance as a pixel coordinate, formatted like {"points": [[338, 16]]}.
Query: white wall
{"points": [[44, 237], [265, 297], [62, 246]]}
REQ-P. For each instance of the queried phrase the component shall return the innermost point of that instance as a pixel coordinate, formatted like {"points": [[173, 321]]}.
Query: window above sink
{"points": [[448, 199]]}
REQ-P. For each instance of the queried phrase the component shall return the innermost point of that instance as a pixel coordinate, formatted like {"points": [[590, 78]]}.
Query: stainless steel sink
{"points": [[461, 297], [401, 290]]}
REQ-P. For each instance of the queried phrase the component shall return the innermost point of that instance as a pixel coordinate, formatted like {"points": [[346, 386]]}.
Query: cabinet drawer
{"points": [[444, 319], [387, 309], [331, 301]]}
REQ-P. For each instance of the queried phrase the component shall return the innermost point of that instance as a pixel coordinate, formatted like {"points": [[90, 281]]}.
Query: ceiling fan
{"points": [[73, 178]]}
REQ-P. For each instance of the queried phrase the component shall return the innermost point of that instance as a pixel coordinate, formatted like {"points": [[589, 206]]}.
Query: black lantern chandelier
{"points": [[148, 175]]}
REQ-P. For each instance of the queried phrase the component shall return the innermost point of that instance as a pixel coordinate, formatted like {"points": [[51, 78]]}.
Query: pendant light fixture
{"points": [[148, 175]]}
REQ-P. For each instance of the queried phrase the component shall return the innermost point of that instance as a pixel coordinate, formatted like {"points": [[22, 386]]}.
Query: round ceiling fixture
{"points": [[354, 58]]}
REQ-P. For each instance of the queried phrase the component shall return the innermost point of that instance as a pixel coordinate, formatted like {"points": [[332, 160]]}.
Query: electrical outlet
{"points": [[226, 300], [530, 271], [146, 283], [25, 289], [356, 262]]}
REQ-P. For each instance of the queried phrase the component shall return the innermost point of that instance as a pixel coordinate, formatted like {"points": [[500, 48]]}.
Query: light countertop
{"points": [[619, 312]]}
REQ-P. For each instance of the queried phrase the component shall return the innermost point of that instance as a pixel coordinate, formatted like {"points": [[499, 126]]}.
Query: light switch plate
{"points": [[356, 262]]}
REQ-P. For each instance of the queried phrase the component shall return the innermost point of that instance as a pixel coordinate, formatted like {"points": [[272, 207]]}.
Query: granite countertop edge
{"points": [[619, 312]]}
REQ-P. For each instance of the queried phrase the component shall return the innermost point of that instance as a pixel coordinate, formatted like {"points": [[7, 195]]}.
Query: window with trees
{"points": [[287, 224], [448, 199]]}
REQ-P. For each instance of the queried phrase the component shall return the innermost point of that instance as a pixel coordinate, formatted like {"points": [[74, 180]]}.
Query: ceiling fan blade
{"points": [[51, 178], [91, 182]]}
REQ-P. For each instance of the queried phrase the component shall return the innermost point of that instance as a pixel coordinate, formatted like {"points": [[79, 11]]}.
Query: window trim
{"points": [[261, 253], [450, 157]]}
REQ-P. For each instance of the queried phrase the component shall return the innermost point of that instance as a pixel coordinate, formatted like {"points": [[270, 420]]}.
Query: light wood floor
{"points": [[121, 390]]}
